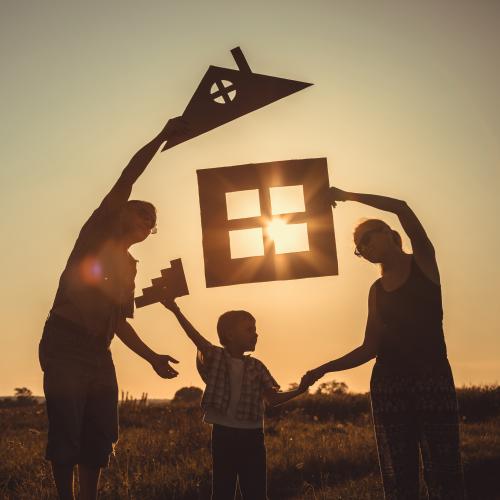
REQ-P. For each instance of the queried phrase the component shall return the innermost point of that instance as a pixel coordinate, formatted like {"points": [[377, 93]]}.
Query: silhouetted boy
{"points": [[233, 402]]}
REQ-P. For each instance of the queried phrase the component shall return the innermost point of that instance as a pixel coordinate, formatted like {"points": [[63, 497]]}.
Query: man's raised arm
{"points": [[120, 192]]}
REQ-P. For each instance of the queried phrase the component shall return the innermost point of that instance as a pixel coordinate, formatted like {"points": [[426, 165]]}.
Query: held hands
{"points": [[160, 364], [312, 376]]}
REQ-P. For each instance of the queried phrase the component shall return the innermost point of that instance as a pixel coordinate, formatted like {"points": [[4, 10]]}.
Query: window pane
{"points": [[287, 199], [246, 243], [289, 238], [243, 204]]}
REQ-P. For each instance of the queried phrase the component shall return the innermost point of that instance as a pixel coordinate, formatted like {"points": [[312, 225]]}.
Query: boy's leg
{"points": [[224, 463], [252, 465]]}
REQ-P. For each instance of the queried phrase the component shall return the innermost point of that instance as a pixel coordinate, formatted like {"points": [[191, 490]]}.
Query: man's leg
{"points": [[64, 388], [89, 481], [63, 477], [100, 426]]}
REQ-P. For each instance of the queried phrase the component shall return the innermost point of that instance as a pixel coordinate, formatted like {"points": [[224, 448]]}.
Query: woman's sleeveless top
{"points": [[412, 340]]}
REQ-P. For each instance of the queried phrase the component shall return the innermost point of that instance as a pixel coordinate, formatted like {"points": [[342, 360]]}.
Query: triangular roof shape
{"points": [[226, 94]]}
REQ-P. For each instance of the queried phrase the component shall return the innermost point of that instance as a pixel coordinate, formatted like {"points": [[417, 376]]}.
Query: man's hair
{"points": [[227, 322], [141, 206]]}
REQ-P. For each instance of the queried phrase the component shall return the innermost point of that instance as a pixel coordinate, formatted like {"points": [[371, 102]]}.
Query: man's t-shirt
{"points": [[96, 288]]}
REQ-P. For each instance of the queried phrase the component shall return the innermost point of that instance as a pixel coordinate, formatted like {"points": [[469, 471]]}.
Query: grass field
{"points": [[319, 447]]}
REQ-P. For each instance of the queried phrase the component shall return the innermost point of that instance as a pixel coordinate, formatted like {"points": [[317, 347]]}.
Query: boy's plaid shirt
{"points": [[213, 369]]}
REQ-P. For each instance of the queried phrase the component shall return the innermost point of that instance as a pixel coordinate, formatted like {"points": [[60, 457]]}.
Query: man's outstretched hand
{"points": [[161, 365], [175, 128]]}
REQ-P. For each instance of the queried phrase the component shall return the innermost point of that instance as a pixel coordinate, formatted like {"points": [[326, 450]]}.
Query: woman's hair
{"points": [[227, 322], [369, 224]]}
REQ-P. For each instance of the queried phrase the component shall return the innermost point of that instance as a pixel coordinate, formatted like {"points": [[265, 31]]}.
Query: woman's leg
{"points": [[397, 438], [439, 438]]}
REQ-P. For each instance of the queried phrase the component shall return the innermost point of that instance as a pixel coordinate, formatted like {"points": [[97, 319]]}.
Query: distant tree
{"points": [[332, 387], [23, 396], [188, 395]]}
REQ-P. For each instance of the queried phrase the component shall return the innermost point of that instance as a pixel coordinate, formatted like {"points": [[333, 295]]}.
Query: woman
{"points": [[412, 391]]}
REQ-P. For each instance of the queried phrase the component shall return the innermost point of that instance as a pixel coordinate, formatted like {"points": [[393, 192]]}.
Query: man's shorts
{"points": [[81, 394]]}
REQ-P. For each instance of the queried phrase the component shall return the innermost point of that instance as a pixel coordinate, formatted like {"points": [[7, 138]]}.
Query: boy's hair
{"points": [[227, 321]]}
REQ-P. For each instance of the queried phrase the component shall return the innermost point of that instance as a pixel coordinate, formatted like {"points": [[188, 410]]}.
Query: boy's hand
{"points": [[169, 303], [161, 366]]}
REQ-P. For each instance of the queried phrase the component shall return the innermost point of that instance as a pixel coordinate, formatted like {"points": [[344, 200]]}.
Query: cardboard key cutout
{"points": [[226, 94], [312, 217], [172, 283]]}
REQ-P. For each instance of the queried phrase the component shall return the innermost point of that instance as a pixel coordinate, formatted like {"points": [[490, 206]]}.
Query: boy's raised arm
{"points": [[197, 338]]}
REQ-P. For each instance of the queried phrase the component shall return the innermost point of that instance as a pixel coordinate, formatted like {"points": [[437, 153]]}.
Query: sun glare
{"points": [[288, 238]]}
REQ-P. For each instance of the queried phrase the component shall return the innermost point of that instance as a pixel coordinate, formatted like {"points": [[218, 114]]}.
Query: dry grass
{"points": [[163, 453]]}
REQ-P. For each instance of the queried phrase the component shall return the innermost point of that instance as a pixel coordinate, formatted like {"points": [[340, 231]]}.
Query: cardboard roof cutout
{"points": [[226, 94], [172, 283], [316, 219]]}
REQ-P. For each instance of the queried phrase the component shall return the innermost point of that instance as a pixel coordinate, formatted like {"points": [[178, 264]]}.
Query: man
{"points": [[94, 299]]}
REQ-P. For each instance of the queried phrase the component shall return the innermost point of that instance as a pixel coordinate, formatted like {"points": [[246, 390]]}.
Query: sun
{"points": [[288, 238]]}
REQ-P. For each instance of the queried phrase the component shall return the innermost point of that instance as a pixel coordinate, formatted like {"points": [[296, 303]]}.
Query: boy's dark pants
{"points": [[238, 454]]}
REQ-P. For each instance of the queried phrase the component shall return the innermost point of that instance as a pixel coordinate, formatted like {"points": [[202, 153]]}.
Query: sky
{"points": [[405, 103]]}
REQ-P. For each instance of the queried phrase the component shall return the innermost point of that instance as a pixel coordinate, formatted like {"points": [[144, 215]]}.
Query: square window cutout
{"points": [[289, 238], [246, 243], [242, 204], [287, 199]]}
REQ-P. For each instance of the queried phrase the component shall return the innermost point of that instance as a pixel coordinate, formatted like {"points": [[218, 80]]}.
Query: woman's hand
{"points": [[337, 194]]}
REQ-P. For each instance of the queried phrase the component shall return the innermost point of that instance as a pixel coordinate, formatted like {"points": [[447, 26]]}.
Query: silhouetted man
{"points": [[94, 299]]}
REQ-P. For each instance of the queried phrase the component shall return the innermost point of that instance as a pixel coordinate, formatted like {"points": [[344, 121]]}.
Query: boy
{"points": [[236, 388]]}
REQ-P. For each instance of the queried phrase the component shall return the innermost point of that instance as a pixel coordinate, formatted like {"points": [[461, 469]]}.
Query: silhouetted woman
{"points": [[412, 391]]}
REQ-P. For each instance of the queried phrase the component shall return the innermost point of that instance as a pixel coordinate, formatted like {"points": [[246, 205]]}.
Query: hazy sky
{"points": [[406, 103]]}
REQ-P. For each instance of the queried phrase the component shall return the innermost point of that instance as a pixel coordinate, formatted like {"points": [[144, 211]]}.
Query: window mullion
{"points": [[266, 212]]}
